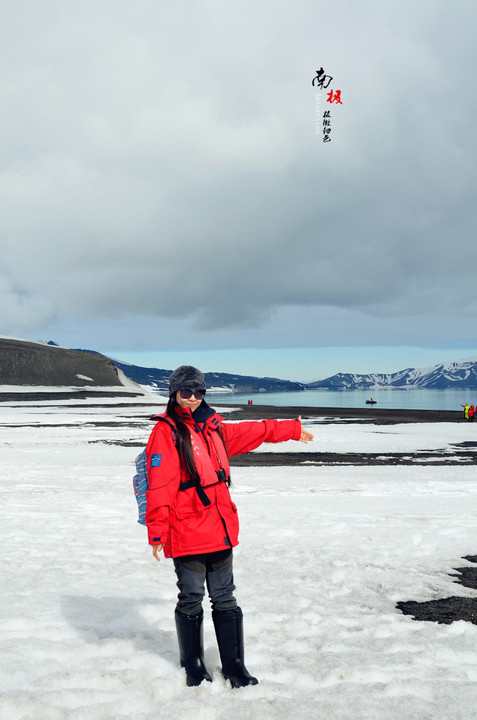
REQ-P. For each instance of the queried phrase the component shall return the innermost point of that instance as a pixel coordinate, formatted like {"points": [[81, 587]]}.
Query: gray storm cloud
{"points": [[162, 168]]}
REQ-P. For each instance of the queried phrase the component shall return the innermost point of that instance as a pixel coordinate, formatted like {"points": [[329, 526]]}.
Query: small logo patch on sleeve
{"points": [[156, 460]]}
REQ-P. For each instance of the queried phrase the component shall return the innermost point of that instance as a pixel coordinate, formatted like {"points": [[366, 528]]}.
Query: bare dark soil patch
{"points": [[310, 458], [367, 414], [67, 395], [448, 610]]}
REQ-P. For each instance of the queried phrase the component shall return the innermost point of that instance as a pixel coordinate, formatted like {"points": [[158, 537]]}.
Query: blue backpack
{"points": [[141, 485], [140, 481]]}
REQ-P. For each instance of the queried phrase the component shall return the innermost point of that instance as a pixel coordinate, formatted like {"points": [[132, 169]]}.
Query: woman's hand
{"points": [[156, 549], [305, 436]]}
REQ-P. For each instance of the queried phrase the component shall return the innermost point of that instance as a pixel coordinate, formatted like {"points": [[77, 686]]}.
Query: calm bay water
{"points": [[397, 399]]}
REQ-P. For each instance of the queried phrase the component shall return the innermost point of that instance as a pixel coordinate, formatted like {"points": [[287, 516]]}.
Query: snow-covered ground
{"points": [[87, 627], [348, 437]]}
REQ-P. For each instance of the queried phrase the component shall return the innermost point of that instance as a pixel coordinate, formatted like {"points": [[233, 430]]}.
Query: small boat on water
{"points": [[371, 402]]}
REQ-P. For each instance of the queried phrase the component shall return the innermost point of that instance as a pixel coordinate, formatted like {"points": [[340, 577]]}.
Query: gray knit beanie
{"points": [[186, 376]]}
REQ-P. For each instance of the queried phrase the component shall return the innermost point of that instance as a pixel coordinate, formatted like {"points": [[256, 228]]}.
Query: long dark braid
{"points": [[186, 454]]}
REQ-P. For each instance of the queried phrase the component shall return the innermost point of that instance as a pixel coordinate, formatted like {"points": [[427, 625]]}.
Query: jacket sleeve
{"points": [[245, 436], [163, 474]]}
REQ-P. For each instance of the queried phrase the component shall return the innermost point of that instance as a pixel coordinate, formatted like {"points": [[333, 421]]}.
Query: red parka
{"points": [[187, 517]]}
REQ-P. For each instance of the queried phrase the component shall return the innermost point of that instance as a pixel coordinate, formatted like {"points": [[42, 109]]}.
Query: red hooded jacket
{"points": [[187, 517]]}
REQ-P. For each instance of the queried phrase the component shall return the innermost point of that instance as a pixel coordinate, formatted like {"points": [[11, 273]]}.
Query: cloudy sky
{"points": [[166, 194]]}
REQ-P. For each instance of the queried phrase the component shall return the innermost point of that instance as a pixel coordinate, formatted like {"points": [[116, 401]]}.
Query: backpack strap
{"points": [[161, 418]]}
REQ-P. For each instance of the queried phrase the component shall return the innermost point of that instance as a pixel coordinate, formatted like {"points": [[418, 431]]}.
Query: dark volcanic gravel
{"points": [[366, 414], [452, 457], [25, 396], [448, 610]]}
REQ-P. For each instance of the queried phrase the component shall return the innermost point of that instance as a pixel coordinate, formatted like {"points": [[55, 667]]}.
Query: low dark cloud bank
{"points": [[160, 169]]}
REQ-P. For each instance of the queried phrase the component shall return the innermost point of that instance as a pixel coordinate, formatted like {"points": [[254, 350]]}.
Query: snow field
{"points": [[86, 622], [381, 438]]}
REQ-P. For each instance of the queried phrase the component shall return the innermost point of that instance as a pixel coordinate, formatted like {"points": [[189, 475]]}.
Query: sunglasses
{"points": [[186, 394]]}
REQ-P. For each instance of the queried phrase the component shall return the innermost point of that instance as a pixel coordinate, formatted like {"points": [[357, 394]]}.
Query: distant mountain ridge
{"points": [[460, 374], [225, 382], [24, 362]]}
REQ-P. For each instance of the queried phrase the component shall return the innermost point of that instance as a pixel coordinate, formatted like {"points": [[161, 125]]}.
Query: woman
{"points": [[191, 517]]}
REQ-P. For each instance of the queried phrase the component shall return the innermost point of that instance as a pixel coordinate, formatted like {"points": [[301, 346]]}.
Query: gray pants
{"points": [[195, 571]]}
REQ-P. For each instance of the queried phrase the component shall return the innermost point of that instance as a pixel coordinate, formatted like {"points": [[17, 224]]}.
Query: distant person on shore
{"points": [[191, 517], [466, 410], [471, 413]]}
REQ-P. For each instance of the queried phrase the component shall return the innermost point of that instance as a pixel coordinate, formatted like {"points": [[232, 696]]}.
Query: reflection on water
{"points": [[398, 399]]}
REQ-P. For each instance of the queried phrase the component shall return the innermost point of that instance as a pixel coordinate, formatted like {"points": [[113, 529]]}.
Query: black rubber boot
{"points": [[190, 637], [229, 631]]}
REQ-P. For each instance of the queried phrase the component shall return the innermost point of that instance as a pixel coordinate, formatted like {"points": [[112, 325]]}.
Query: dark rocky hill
{"points": [[29, 363]]}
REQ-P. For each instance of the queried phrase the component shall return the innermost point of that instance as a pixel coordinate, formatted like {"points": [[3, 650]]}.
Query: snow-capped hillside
{"points": [[460, 374]]}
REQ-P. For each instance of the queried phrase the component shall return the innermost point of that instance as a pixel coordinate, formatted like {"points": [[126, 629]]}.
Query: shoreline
{"points": [[366, 414], [372, 414]]}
